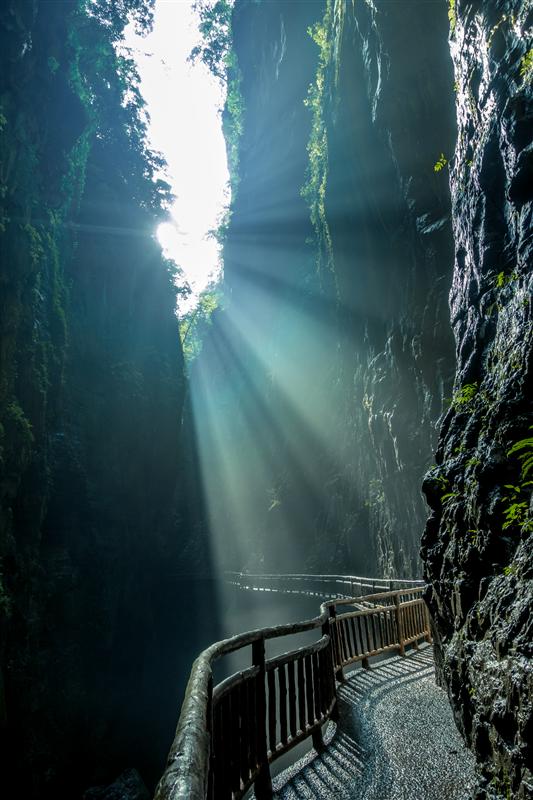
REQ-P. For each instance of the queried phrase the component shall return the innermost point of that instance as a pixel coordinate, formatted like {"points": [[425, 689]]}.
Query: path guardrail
{"points": [[325, 586], [227, 736]]}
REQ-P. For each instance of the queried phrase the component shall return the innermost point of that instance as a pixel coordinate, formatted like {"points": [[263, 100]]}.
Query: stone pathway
{"points": [[396, 740]]}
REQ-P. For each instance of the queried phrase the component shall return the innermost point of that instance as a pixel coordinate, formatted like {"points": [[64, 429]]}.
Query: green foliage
{"points": [[216, 52], [503, 280], [215, 26], [446, 498], [516, 511], [511, 569], [517, 500], [73, 182], [463, 396], [103, 74], [114, 15], [443, 482], [440, 164], [195, 324], [526, 66], [525, 457], [233, 120], [314, 189], [452, 16]]}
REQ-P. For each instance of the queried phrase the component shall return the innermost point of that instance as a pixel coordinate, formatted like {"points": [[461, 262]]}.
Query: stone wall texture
{"points": [[478, 542]]}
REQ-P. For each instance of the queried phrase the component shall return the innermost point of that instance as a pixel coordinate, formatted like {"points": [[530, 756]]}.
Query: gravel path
{"points": [[396, 740]]}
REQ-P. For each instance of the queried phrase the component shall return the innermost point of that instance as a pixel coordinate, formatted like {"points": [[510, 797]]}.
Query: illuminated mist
{"points": [[302, 397]]}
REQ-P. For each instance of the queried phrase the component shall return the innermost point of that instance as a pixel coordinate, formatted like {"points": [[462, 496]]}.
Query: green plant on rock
{"points": [[195, 324], [516, 509], [526, 456], [526, 66], [503, 280], [448, 497], [314, 189], [452, 16], [463, 396]]}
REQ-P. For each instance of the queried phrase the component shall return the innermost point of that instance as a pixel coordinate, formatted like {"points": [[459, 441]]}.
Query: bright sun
{"points": [[184, 103]]}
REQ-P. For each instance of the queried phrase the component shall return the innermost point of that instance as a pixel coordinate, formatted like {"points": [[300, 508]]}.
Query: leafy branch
{"points": [[440, 163], [526, 457], [516, 511]]}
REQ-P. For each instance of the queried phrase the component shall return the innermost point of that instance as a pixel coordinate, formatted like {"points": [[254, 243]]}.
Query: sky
{"points": [[183, 101]]}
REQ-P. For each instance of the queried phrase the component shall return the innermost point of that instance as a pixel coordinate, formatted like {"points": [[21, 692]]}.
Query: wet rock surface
{"points": [[128, 786], [478, 543]]}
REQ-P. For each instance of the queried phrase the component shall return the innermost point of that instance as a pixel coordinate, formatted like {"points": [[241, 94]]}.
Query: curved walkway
{"points": [[395, 740]]}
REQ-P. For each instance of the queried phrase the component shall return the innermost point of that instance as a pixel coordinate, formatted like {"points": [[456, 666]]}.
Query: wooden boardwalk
{"points": [[228, 735], [395, 740]]}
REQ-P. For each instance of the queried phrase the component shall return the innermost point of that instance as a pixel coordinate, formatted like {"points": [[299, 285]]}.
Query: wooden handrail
{"points": [[227, 736], [331, 586], [307, 576]]}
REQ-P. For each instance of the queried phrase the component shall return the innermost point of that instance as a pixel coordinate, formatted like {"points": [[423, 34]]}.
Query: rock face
{"points": [[128, 786], [478, 543], [93, 483], [328, 368], [386, 240]]}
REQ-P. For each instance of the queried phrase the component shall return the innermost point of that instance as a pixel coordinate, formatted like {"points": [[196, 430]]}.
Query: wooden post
{"points": [[399, 625], [263, 782], [326, 629], [337, 652]]}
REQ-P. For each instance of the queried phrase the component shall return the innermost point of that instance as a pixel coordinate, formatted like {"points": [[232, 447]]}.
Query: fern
{"points": [[440, 164], [526, 457]]}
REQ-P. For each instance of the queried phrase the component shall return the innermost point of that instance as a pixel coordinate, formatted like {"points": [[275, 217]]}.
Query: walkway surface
{"points": [[396, 740]]}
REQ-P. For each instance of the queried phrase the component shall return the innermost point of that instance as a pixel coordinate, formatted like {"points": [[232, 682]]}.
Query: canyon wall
{"points": [[478, 543], [95, 518]]}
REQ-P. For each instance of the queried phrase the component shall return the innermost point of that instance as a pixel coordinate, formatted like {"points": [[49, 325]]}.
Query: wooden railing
{"points": [[227, 736], [324, 586]]}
